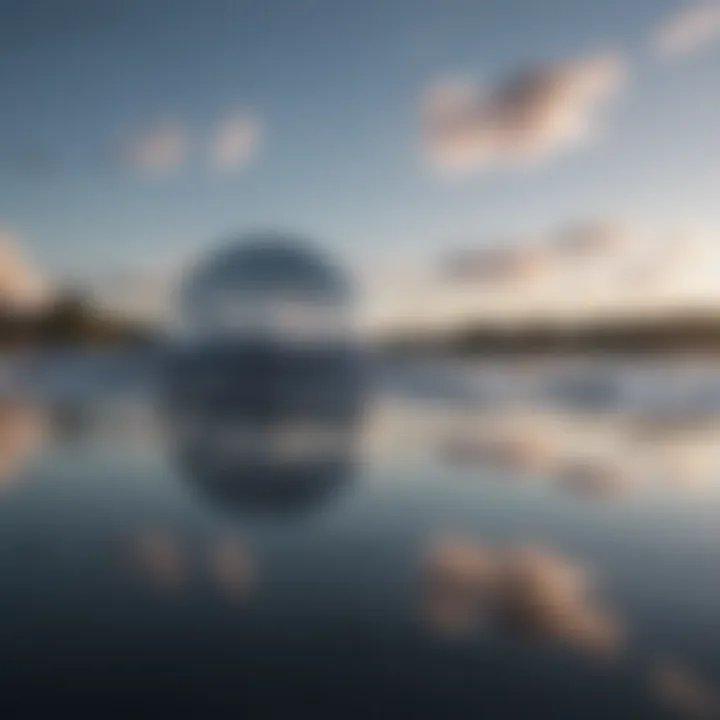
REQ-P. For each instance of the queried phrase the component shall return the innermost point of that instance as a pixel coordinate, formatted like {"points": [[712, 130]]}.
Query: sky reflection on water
{"points": [[476, 559]]}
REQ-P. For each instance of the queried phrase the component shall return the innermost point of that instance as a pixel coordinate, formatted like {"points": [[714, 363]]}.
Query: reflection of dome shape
{"points": [[260, 488], [256, 418], [261, 424]]}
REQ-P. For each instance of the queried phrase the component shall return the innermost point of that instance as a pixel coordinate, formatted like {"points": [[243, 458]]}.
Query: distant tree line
{"points": [[69, 320], [687, 333]]}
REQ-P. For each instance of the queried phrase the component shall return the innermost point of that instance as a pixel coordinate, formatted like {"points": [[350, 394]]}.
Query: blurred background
{"points": [[361, 356]]}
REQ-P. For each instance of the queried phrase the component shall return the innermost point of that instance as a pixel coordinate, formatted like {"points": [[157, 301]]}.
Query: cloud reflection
{"points": [[541, 594], [157, 557], [603, 436], [459, 582], [22, 431], [534, 593], [167, 562], [232, 567], [683, 692]]}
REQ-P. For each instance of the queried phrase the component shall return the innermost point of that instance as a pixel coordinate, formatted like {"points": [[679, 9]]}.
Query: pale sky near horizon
{"points": [[135, 131]]}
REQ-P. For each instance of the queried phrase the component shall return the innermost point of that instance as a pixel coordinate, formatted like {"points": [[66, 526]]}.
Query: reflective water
{"points": [[541, 541]]}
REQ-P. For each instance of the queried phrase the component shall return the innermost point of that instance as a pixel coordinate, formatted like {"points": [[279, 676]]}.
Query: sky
{"points": [[135, 133]]}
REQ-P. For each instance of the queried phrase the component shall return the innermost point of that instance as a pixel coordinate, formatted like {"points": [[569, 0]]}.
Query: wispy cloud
{"points": [[691, 29], [518, 263], [144, 295], [236, 142], [164, 147], [21, 284], [593, 270], [529, 116], [157, 150]]}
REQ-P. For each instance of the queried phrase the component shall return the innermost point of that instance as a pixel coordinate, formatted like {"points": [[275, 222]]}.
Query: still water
{"points": [[533, 541]]}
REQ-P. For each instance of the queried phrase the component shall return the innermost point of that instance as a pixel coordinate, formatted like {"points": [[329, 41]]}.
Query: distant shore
{"points": [[69, 321], [676, 335]]}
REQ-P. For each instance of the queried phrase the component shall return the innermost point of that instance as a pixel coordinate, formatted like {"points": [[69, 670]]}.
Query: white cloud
{"points": [[514, 263], [21, 285], [157, 150], [529, 116], [593, 239], [236, 142], [689, 30], [597, 269], [518, 263], [144, 295]]}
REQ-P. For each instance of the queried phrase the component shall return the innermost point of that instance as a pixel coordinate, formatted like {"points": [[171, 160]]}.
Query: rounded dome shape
{"points": [[264, 267]]}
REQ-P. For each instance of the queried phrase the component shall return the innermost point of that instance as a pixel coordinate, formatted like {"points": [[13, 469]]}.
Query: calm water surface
{"points": [[547, 545]]}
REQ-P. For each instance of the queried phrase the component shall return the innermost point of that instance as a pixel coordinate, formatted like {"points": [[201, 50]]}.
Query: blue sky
{"points": [[335, 87]]}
